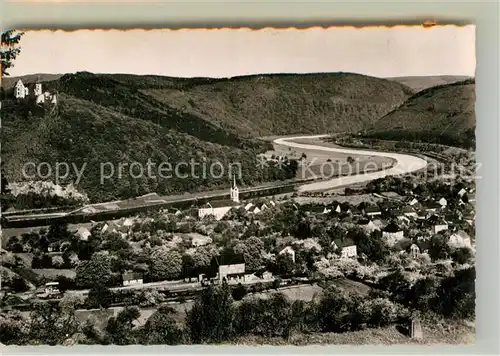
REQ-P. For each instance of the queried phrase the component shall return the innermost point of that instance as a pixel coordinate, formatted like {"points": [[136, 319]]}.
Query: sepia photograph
{"points": [[232, 186]]}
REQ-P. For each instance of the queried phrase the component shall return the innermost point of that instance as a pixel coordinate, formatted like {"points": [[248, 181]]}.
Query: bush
{"points": [[19, 285], [277, 283], [99, 297], [239, 292]]}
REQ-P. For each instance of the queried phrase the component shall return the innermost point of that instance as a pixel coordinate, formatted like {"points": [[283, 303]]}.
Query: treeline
{"points": [[216, 317], [466, 139]]}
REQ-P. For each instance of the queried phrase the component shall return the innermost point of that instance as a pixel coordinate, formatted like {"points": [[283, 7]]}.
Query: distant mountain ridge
{"points": [[441, 114], [419, 83]]}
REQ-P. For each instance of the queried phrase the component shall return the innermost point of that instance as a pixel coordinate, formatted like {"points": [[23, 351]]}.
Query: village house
{"points": [[83, 233], [431, 206], [368, 225], [411, 201], [52, 288], [347, 248], [439, 225], [219, 208], [403, 219], [267, 275], [443, 202], [414, 251], [461, 193], [409, 212], [255, 208], [373, 211], [231, 272], [20, 90], [131, 278], [392, 233], [110, 227], [460, 239], [290, 251]]}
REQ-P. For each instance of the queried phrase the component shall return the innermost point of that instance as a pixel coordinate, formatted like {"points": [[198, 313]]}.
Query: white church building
{"points": [[219, 208]]}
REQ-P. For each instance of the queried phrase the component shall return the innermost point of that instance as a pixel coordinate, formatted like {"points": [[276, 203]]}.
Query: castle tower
{"points": [[38, 88], [235, 193]]}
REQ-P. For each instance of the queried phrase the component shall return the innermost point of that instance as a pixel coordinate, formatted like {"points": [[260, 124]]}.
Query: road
{"points": [[405, 164]]}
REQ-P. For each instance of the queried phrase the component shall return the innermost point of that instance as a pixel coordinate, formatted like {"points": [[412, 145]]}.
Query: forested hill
{"points": [[442, 114], [128, 118], [279, 104]]}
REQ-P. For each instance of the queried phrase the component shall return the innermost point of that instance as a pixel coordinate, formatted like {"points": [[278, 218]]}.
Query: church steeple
{"points": [[234, 193]]}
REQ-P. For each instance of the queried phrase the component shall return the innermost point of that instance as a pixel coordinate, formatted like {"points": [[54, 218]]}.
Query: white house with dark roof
{"points": [[373, 211], [347, 248], [20, 90], [392, 233], [441, 225], [131, 278]]}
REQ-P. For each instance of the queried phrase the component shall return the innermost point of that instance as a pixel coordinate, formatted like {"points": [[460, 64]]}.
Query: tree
{"points": [[423, 294], [9, 49], [161, 328], [96, 272], [14, 328], [239, 292], [19, 285], [332, 309], [5, 196], [461, 255], [438, 247], [165, 264], [52, 324], [58, 232], [457, 295], [99, 297], [284, 265], [251, 250], [211, 318], [397, 285], [119, 330]]}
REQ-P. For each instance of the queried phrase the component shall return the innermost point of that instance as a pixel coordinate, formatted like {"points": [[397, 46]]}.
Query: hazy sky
{"points": [[377, 51]]}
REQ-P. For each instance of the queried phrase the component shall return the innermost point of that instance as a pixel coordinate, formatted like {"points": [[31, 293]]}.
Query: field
{"points": [[321, 164]]}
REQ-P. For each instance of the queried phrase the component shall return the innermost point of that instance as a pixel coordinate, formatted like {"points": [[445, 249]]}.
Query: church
{"points": [[219, 208]]}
